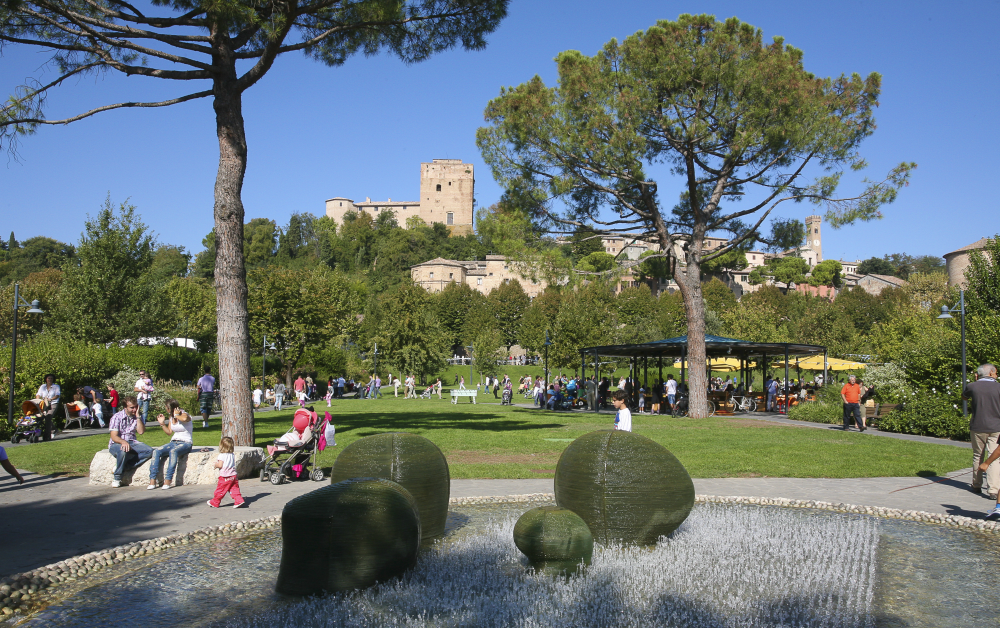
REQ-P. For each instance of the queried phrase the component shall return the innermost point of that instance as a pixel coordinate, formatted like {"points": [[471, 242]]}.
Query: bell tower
{"points": [[814, 238]]}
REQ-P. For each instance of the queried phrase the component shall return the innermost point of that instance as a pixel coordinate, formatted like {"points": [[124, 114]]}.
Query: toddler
{"points": [[642, 401], [228, 482], [623, 418]]}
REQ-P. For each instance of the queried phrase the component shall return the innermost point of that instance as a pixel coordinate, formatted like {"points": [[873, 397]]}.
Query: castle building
{"points": [[447, 192], [480, 275], [958, 261]]}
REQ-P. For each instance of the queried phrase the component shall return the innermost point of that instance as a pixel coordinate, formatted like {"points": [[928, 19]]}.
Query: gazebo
{"points": [[715, 347]]}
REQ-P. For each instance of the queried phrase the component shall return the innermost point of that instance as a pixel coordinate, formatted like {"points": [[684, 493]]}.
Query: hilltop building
{"points": [[447, 190], [481, 275], [957, 262]]}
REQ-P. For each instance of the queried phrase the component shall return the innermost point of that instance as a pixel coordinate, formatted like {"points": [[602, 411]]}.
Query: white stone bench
{"points": [[464, 392], [197, 467]]}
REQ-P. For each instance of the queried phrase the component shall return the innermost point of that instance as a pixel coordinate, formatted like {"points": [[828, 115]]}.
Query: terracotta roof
{"points": [[975, 246]]}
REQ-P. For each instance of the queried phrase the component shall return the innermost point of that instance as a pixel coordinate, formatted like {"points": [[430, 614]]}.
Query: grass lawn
{"points": [[492, 441]]}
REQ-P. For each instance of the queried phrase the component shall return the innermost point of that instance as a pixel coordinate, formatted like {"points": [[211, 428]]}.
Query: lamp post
{"points": [[263, 364], [547, 343], [946, 313], [33, 309], [470, 349]]}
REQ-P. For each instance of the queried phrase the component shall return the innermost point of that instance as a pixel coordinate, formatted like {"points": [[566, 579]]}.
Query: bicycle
{"points": [[743, 404], [681, 408]]}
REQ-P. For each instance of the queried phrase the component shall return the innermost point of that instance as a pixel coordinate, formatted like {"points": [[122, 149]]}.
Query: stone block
{"points": [[198, 467]]}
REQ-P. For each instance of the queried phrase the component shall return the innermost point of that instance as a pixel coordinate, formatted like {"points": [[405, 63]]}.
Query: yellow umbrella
{"points": [[718, 364], [815, 363]]}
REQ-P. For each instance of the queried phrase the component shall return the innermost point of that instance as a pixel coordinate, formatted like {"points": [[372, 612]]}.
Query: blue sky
{"points": [[362, 129]]}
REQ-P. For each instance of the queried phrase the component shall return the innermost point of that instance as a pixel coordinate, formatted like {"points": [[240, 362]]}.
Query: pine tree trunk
{"points": [[230, 272], [689, 282]]}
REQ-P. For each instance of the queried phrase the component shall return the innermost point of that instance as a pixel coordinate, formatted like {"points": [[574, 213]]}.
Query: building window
{"points": [[491, 274], [449, 183], [432, 276], [438, 187], [451, 217], [479, 281], [451, 275], [815, 230], [342, 204]]}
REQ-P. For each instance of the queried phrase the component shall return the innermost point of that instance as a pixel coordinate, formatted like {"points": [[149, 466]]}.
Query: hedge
{"points": [[76, 363]]}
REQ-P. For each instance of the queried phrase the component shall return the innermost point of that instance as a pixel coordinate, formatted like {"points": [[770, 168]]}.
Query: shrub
{"points": [[928, 415], [889, 382], [76, 363], [817, 412]]}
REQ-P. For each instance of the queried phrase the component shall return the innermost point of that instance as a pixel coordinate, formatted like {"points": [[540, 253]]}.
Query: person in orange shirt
{"points": [[851, 394]]}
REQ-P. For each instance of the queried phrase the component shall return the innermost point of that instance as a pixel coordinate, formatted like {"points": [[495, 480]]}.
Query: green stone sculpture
{"points": [[554, 539], [347, 536], [625, 486], [409, 460]]}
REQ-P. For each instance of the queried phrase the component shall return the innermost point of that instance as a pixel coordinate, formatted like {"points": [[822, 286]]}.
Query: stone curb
{"points": [[20, 592]]}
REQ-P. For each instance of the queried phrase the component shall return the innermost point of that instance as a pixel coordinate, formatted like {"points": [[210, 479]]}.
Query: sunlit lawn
{"points": [[488, 440]]}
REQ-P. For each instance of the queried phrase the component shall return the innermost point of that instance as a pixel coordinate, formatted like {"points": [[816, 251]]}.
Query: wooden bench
{"points": [[876, 412], [466, 392]]}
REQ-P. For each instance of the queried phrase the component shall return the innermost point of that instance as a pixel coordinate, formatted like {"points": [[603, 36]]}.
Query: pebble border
{"points": [[20, 592]]}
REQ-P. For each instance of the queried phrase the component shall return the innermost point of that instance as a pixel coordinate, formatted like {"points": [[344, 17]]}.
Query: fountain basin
{"points": [[729, 565]]}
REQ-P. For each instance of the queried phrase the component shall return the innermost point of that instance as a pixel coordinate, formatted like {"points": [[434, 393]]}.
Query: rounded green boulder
{"points": [[347, 536], [627, 488], [409, 460], [554, 539]]}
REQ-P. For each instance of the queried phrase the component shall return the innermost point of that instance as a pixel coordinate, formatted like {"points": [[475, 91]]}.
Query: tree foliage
{"points": [[111, 293], [299, 309], [403, 324], [728, 112]]}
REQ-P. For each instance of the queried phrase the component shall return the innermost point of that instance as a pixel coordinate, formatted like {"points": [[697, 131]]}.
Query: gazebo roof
{"points": [[715, 346]]}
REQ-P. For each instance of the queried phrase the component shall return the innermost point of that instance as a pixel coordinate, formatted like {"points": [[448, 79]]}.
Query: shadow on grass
{"points": [[374, 422]]}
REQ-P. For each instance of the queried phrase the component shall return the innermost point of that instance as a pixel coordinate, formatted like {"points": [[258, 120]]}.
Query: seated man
{"points": [[123, 445]]}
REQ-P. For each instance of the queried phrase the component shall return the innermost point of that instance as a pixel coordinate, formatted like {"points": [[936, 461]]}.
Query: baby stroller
{"points": [[29, 426], [427, 393], [293, 454], [505, 400]]}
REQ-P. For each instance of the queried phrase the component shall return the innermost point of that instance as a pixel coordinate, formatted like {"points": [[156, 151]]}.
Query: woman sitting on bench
{"points": [[179, 427]]}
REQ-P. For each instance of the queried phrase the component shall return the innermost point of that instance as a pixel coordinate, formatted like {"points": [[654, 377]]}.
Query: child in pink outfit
{"points": [[228, 482]]}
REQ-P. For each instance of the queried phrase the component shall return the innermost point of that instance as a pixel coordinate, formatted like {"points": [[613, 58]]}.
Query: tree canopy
{"points": [[226, 47], [737, 120]]}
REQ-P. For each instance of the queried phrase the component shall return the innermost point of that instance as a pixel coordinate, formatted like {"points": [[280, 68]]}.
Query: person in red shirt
{"points": [[851, 394], [113, 396]]}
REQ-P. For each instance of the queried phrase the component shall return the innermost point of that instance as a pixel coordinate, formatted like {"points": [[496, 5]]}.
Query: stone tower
{"points": [[447, 188], [814, 238]]}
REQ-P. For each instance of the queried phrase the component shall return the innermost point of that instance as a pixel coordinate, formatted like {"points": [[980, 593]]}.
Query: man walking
{"points": [[206, 395], [851, 394], [984, 427], [376, 385], [395, 387], [279, 395]]}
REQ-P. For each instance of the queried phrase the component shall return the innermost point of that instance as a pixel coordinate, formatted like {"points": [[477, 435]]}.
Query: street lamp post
{"points": [[33, 309], [547, 343], [946, 313], [471, 349], [263, 364]]}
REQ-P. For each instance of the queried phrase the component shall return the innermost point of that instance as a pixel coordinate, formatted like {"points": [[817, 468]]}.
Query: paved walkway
{"points": [[64, 517]]}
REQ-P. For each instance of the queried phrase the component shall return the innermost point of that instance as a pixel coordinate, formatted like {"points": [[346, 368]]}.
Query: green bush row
{"points": [[817, 412], [927, 415], [76, 363]]}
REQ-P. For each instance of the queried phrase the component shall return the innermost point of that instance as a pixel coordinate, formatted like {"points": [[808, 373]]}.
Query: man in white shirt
{"points": [[257, 393], [672, 393], [395, 386]]}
